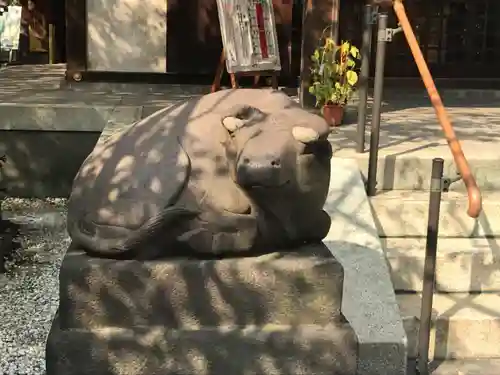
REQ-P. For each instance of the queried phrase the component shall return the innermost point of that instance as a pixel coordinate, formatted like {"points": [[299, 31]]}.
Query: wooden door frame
{"points": [[77, 62]]}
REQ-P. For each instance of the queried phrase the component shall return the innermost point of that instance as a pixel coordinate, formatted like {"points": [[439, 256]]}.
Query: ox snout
{"points": [[269, 171]]}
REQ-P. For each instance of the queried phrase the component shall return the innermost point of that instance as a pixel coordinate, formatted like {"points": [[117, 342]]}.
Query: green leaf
{"points": [[355, 52], [329, 43], [315, 56], [352, 77], [333, 71]]}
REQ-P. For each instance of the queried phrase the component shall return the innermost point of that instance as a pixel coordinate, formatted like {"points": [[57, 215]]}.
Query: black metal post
{"points": [[4, 237], [364, 77], [430, 265], [5, 247], [378, 91]]}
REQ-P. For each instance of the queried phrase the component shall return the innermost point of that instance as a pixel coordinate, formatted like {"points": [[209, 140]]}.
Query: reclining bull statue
{"points": [[232, 172]]}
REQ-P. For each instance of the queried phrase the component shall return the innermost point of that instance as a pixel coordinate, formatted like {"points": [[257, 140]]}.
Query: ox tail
{"points": [[123, 243]]}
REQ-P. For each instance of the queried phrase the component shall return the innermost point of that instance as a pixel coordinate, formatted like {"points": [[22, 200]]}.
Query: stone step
{"points": [[465, 326], [463, 264], [413, 171], [303, 287], [55, 137], [264, 350], [411, 136], [460, 367], [405, 213], [56, 131]]}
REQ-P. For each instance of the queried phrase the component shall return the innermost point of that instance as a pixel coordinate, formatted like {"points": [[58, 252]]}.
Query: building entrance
{"points": [[42, 36], [459, 38]]}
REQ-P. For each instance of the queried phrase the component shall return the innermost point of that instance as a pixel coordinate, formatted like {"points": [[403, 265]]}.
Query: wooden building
{"points": [[460, 39], [155, 39], [180, 39]]}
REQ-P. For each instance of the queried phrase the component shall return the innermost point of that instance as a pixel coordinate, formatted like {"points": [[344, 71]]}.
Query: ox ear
{"points": [[304, 134], [239, 115]]}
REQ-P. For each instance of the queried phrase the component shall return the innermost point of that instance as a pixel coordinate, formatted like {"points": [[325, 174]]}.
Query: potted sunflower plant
{"points": [[334, 75]]}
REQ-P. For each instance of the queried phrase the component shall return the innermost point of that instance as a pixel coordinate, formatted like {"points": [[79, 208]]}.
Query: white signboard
{"points": [[249, 35], [10, 28]]}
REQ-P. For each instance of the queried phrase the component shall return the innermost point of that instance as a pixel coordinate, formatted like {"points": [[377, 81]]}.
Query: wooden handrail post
{"points": [[474, 195]]}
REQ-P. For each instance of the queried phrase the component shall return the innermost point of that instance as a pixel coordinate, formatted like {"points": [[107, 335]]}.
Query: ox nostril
{"points": [[275, 163]]}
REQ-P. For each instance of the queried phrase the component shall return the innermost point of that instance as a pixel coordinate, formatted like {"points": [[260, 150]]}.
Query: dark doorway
{"points": [[43, 25], [58, 10], [297, 16], [194, 43]]}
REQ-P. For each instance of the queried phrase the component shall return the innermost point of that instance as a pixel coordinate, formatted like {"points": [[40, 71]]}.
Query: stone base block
{"points": [[265, 350], [303, 287]]}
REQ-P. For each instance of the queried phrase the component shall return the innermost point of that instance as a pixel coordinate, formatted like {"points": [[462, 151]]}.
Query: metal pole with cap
{"points": [[430, 266], [364, 76], [377, 103]]}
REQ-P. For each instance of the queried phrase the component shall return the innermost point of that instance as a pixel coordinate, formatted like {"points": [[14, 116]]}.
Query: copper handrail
{"points": [[474, 195]]}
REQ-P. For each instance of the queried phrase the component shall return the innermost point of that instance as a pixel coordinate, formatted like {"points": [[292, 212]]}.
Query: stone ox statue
{"points": [[232, 172]]}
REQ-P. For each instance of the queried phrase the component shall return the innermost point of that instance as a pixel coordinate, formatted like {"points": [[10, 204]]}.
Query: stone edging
{"points": [[369, 302]]}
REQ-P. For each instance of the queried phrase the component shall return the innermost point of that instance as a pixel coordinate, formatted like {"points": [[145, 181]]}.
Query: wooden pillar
{"points": [[283, 17], [49, 11], [76, 39], [318, 14]]}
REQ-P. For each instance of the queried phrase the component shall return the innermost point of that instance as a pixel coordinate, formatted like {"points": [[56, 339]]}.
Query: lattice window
{"points": [[451, 33]]}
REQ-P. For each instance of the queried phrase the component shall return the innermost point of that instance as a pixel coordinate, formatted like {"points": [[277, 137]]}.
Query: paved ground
{"points": [[460, 367], [28, 291], [44, 85], [409, 126]]}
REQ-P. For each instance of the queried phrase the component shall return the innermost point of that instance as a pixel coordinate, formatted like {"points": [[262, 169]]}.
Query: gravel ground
{"points": [[29, 289]]}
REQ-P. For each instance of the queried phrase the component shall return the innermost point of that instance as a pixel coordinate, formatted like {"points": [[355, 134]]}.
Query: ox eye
{"points": [[321, 149]]}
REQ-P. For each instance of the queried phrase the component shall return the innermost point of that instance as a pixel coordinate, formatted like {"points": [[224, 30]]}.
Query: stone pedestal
{"points": [[272, 314]]}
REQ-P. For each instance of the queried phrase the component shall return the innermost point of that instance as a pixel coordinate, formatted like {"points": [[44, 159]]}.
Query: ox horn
{"points": [[232, 123], [304, 134]]}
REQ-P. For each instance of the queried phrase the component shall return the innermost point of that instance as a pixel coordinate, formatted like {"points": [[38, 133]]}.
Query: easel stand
{"points": [[234, 83]]}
